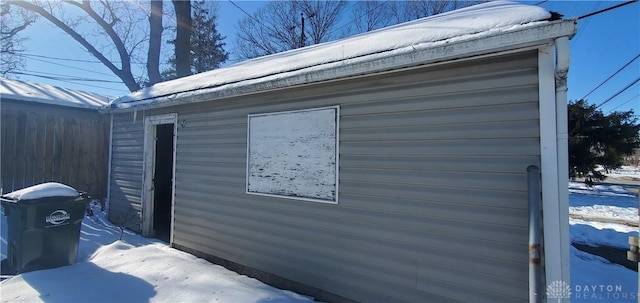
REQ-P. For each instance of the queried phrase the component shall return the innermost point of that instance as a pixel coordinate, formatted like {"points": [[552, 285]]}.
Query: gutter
{"points": [[417, 55]]}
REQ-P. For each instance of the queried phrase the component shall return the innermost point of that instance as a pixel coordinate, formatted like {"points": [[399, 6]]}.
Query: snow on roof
{"points": [[454, 26], [47, 94]]}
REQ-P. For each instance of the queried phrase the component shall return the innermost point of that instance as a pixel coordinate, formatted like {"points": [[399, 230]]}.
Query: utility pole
{"points": [[302, 38]]}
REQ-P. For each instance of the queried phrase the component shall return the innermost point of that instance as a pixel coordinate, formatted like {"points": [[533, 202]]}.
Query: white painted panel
{"points": [[294, 154]]}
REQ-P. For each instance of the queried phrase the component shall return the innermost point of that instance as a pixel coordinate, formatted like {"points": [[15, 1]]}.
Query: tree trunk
{"points": [[183, 37], [155, 40]]}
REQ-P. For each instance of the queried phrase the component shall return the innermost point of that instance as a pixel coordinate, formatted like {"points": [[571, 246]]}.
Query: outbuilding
{"points": [[390, 166], [51, 133]]}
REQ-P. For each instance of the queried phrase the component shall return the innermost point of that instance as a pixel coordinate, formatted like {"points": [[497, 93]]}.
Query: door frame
{"points": [[150, 123]]}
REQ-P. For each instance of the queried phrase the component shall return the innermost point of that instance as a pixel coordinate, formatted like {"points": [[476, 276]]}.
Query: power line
{"points": [[573, 41], [69, 66], [62, 77], [61, 59], [605, 81], [606, 9], [625, 102], [245, 12], [618, 93], [584, 26]]}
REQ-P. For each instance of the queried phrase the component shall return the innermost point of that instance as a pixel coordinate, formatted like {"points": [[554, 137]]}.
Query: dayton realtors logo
{"points": [[604, 293], [593, 293], [559, 290], [58, 217]]}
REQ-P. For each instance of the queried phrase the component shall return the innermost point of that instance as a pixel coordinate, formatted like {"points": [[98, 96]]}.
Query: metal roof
{"points": [[47, 94]]}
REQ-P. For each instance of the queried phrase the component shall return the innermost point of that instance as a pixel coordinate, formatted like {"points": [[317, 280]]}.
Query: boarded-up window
{"points": [[294, 154]]}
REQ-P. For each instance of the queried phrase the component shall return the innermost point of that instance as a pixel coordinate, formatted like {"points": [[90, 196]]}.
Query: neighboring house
{"points": [[53, 134], [386, 167]]}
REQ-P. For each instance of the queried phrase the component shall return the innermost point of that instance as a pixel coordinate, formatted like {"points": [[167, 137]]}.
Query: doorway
{"points": [[159, 177], [163, 182]]}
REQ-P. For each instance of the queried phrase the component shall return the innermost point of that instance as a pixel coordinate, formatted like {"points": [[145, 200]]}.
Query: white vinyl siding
{"points": [[126, 171], [433, 201]]}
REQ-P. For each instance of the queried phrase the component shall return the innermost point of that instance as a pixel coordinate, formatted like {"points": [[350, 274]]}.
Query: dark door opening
{"points": [[163, 182]]}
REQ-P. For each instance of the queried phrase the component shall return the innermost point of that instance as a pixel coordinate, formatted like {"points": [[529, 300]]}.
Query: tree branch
{"points": [[108, 28], [124, 74], [14, 31]]}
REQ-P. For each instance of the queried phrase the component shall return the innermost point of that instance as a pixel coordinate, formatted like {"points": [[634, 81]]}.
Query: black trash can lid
{"points": [[41, 192]]}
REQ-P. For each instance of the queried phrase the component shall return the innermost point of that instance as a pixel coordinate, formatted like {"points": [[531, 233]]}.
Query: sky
{"points": [[604, 44]]}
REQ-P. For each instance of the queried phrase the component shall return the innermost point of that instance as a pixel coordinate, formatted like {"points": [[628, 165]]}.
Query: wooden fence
{"points": [[42, 143]]}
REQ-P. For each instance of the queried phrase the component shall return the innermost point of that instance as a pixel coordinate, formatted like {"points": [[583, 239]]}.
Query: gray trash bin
{"points": [[43, 227]]}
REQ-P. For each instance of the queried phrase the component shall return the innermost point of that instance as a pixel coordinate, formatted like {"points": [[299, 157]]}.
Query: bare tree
{"points": [[371, 14], [278, 26], [120, 34], [270, 30], [10, 42], [403, 11], [321, 17], [107, 18]]}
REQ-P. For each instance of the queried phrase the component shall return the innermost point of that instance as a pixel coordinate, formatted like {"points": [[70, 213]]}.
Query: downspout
{"points": [[535, 269], [108, 202], [562, 137], [553, 63]]}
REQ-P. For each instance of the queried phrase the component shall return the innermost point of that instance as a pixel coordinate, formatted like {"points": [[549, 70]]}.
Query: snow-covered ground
{"points": [[137, 269], [602, 215], [625, 172], [134, 269]]}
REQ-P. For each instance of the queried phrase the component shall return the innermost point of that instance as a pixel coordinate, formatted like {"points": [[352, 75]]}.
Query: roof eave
{"points": [[521, 38]]}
